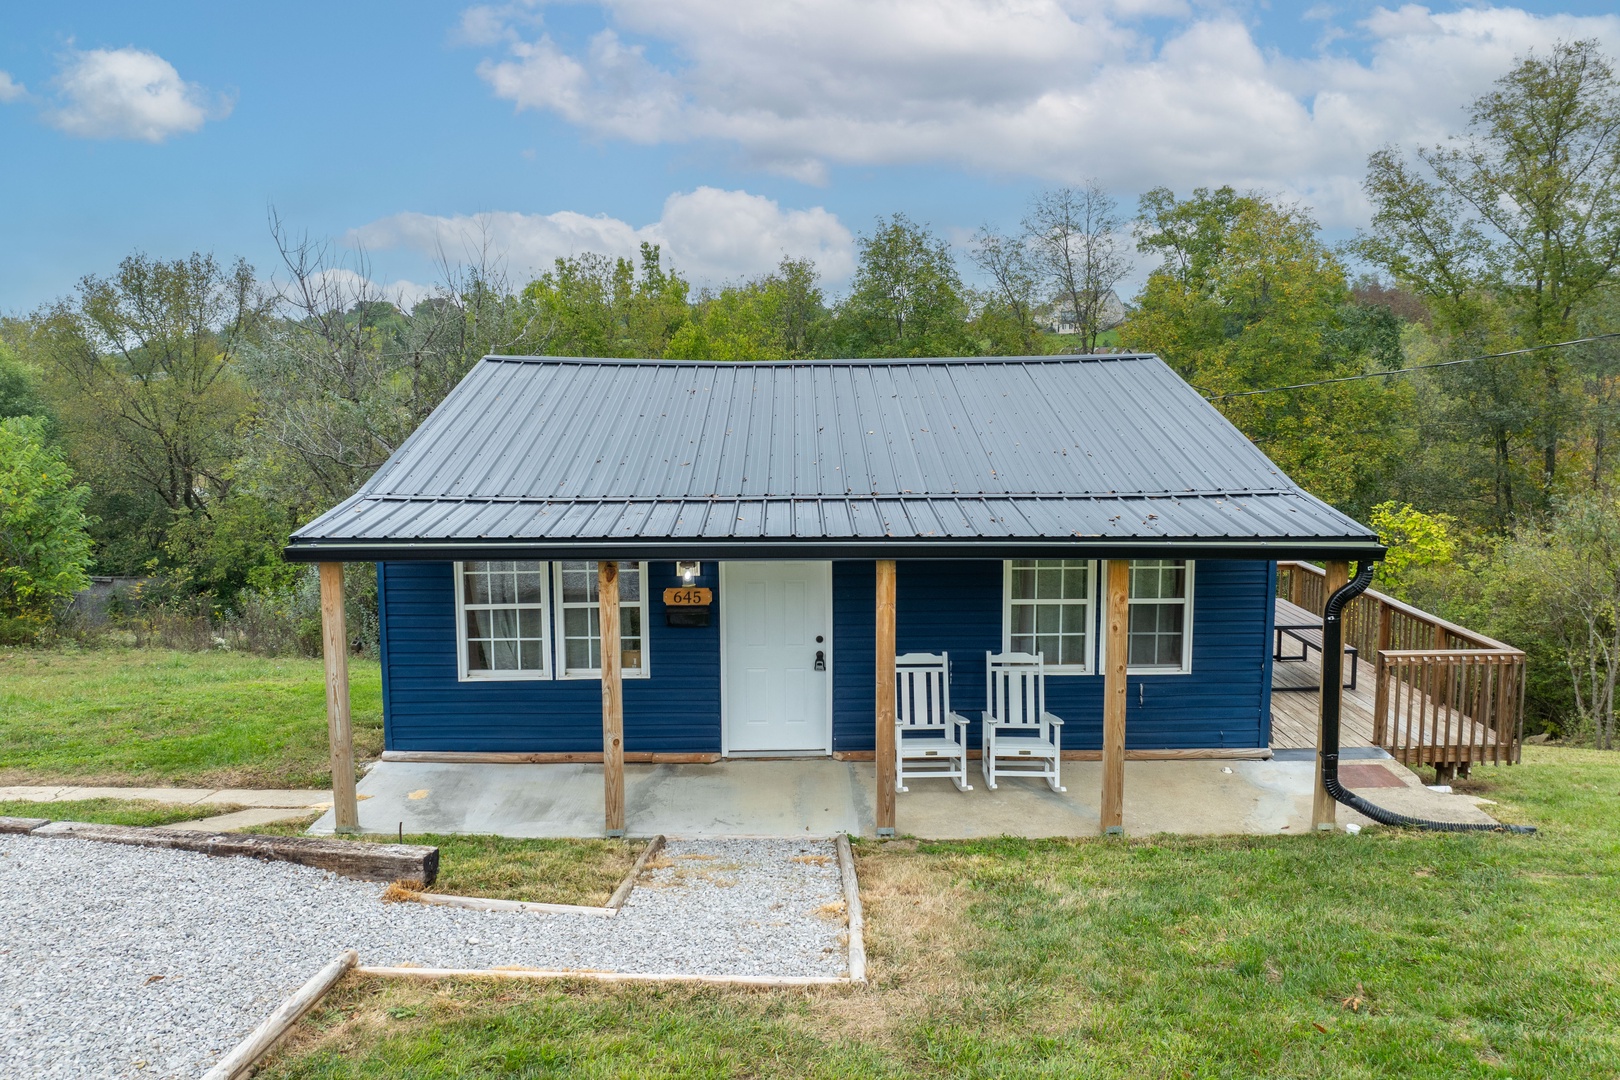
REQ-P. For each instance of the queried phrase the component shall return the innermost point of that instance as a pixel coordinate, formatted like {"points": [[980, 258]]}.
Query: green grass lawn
{"points": [[160, 717], [111, 811], [1380, 955]]}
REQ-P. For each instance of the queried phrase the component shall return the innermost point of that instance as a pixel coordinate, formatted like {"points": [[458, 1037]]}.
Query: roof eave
{"points": [[665, 548]]}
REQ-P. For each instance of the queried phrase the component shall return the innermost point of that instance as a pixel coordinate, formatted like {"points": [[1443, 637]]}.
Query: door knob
{"points": [[821, 660]]}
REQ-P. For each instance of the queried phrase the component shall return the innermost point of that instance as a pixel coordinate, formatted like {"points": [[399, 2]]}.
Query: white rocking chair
{"points": [[1020, 737], [929, 739]]}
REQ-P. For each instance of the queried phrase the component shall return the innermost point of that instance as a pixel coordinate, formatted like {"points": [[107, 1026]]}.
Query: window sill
{"points": [[498, 677]]}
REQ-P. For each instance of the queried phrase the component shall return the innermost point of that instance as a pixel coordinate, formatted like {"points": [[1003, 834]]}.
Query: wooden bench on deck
{"points": [[1301, 625]]}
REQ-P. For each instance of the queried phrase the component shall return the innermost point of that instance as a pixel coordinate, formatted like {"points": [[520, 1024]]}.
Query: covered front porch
{"points": [[823, 797]]}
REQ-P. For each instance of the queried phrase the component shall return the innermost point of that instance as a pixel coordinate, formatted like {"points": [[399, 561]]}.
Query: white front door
{"points": [[775, 622]]}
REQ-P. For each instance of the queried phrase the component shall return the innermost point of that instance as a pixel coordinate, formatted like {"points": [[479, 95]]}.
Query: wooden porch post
{"points": [[885, 697], [339, 734], [607, 604], [1114, 665], [1324, 811]]}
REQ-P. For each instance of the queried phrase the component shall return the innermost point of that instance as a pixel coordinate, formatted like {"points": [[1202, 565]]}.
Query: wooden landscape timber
{"points": [[243, 1060], [15, 825], [541, 974], [855, 945], [413, 864]]}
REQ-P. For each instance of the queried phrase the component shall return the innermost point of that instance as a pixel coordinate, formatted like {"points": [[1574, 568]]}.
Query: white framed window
{"points": [[1049, 608], [579, 621], [1160, 620], [501, 620]]}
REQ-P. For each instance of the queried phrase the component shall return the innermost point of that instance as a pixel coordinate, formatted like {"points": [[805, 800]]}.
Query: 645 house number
{"points": [[688, 597]]}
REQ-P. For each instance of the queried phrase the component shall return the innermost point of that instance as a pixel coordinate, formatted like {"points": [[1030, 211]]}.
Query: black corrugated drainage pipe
{"points": [[1332, 676]]}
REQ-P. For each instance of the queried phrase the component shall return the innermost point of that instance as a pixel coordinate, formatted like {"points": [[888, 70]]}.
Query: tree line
{"points": [[176, 419]]}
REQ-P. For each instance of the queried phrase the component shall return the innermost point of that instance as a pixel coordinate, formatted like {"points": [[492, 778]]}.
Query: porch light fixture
{"points": [[688, 571]]}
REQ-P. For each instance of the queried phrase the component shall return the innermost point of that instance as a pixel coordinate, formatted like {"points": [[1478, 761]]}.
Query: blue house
{"points": [[757, 517]]}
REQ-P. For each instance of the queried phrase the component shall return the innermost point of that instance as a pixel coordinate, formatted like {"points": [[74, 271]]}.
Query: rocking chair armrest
{"points": [[957, 719], [1048, 718]]}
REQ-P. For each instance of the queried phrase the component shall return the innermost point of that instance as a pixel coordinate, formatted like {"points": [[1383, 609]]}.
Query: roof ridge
{"points": [[913, 361], [864, 496]]}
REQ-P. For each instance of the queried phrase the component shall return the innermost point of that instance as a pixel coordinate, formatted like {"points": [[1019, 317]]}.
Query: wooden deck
{"points": [[1294, 715]]}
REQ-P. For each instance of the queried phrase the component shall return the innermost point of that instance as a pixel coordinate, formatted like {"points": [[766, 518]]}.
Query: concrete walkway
{"points": [[819, 797], [255, 806]]}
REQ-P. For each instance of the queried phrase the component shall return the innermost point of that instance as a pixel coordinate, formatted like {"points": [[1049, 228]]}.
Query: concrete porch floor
{"points": [[819, 797]]}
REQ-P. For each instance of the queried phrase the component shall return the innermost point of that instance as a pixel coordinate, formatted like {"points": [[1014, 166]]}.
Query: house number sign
{"points": [[688, 597]]}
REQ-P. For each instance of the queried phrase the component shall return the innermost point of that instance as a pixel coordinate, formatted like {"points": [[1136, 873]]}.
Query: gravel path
{"points": [[135, 962]]}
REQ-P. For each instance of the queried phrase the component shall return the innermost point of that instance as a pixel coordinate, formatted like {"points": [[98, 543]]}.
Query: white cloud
{"points": [[1056, 89], [129, 94], [710, 235], [10, 89]]}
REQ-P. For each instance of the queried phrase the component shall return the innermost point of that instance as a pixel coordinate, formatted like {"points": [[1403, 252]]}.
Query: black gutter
{"points": [[988, 547], [1332, 677]]}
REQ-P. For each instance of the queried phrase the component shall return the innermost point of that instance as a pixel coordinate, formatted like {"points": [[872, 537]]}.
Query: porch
{"points": [[821, 797]]}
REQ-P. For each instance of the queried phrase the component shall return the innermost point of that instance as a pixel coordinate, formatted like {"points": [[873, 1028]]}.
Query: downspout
{"points": [[1332, 677]]}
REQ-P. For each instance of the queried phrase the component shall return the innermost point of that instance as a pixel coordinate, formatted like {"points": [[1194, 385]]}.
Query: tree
{"points": [[777, 316], [142, 371], [1075, 235], [1555, 589], [591, 305], [44, 541], [345, 373], [1506, 233], [1247, 297], [1005, 316], [907, 298], [1415, 540], [19, 388]]}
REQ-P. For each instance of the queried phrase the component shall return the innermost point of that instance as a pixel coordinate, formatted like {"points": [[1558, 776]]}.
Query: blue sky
{"points": [[732, 132]]}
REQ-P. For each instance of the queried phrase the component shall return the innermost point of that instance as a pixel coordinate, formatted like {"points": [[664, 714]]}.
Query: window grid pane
{"points": [[504, 605], [582, 619], [1049, 610], [1158, 613]]}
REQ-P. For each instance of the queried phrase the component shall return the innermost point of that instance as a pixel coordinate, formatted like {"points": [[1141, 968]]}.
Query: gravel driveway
{"points": [[135, 962]]}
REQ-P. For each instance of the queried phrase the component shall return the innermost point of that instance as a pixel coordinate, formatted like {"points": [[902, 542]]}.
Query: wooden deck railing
{"points": [[1445, 695]]}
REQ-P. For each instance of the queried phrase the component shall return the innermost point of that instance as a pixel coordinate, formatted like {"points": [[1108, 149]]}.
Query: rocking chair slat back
{"points": [[922, 691], [1016, 686]]}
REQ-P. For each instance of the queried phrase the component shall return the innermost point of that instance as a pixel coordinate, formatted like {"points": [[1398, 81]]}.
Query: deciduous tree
{"points": [[1078, 247], [907, 298], [1506, 232]]}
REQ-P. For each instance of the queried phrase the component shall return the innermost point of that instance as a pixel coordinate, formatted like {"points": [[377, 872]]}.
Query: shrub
{"points": [[44, 542]]}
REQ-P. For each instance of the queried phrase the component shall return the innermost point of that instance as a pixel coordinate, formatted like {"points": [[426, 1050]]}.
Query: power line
{"points": [[1416, 367]]}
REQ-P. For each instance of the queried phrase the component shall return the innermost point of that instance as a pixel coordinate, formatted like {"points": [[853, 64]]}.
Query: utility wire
{"points": [[1416, 367]]}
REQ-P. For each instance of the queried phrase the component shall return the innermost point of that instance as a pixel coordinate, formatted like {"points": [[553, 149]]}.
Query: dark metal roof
{"points": [[854, 458]]}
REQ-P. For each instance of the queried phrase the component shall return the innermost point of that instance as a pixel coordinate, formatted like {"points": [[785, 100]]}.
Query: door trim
{"points": [[825, 565]]}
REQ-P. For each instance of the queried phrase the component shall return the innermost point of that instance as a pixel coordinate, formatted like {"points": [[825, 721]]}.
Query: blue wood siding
{"points": [[425, 706], [956, 607], [952, 606]]}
